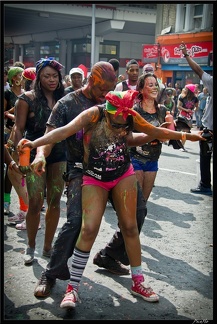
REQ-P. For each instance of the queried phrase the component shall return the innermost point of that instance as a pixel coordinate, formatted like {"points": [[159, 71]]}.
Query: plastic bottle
{"points": [[24, 157], [169, 118]]}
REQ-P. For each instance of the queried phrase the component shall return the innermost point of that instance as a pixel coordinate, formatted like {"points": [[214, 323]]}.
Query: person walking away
{"points": [[204, 186], [32, 111]]}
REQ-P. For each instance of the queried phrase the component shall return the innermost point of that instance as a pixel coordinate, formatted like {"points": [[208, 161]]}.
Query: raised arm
{"points": [[195, 67]]}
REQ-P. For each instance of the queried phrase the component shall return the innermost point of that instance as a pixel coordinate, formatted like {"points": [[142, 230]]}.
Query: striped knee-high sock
{"points": [[79, 261]]}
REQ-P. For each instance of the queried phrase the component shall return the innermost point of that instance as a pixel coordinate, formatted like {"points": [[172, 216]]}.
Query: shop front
{"points": [[170, 65]]}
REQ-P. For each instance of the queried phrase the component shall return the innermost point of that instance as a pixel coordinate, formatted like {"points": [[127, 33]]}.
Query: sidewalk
{"points": [[177, 256]]}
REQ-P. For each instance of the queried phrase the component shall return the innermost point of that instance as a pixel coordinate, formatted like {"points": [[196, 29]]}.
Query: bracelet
{"points": [[183, 136], [10, 142], [10, 145], [11, 164], [185, 54]]}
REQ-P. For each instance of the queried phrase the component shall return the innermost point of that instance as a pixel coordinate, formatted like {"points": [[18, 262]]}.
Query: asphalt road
{"points": [[177, 256]]}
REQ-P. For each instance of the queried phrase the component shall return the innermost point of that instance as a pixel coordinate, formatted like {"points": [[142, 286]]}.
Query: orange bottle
{"points": [[169, 118], [24, 156]]}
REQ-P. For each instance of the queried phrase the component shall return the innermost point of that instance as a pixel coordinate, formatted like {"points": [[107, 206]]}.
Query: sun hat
{"points": [[191, 87], [77, 70], [29, 73]]}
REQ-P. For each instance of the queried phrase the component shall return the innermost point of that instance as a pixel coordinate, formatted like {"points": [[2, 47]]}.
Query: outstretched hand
{"points": [[197, 137]]}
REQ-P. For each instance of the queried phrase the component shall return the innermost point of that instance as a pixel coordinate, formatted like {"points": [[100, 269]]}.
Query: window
{"points": [[108, 49], [51, 50], [198, 15]]}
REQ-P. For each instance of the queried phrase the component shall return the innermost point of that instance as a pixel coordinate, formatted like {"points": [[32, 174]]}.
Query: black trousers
{"points": [[205, 164]]}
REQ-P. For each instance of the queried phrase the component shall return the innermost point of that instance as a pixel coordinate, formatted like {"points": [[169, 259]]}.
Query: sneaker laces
{"points": [[43, 280], [144, 288], [71, 291]]}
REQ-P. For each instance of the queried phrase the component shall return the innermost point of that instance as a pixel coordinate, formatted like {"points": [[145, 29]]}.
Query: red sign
{"points": [[171, 54], [195, 50], [150, 53]]}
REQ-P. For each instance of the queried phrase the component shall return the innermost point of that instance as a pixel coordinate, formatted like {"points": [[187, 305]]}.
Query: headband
{"points": [[48, 62], [13, 71], [121, 103]]}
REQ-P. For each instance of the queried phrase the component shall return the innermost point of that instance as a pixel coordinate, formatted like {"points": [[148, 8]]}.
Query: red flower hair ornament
{"points": [[121, 103]]}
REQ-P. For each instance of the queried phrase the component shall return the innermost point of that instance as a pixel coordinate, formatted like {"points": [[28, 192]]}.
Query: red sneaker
{"points": [[146, 292], [70, 299]]}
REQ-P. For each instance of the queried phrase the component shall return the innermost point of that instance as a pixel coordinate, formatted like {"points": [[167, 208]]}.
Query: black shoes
{"points": [[114, 266], [44, 286], [202, 191]]}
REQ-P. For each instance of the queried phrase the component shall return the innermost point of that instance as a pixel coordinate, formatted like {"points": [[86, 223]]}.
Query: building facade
{"points": [[149, 33], [189, 23]]}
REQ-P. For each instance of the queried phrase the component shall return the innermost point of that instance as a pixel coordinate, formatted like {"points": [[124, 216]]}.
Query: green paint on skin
{"points": [[125, 197]]}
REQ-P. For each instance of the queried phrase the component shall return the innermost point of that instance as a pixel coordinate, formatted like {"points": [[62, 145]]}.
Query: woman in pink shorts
{"points": [[107, 135]]}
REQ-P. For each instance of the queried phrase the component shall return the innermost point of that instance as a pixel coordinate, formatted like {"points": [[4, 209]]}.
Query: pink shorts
{"points": [[107, 185]]}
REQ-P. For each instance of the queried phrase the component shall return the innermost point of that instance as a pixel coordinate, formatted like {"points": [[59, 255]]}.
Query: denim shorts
{"points": [[147, 166]]}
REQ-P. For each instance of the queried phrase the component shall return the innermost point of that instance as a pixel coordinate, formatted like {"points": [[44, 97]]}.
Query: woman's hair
{"points": [[189, 94], [58, 92], [141, 83], [27, 85]]}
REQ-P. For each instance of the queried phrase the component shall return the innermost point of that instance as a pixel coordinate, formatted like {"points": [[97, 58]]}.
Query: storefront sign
{"points": [[171, 54], [150, 53]]}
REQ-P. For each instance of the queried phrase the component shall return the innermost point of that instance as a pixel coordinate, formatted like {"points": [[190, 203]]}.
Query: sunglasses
{"points": [[118, 126]]}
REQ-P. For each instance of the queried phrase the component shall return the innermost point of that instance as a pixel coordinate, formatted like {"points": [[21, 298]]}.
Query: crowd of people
{"points": [[100, 138]]}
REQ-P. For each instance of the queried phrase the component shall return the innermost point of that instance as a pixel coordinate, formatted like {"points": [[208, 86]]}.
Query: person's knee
{"points": [[88, 232], [129, 230]]}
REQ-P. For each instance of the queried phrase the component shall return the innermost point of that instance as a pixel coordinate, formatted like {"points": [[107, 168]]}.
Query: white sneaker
{"points": [[22, 226], [28, 257], [19, 217], [6, 208]]}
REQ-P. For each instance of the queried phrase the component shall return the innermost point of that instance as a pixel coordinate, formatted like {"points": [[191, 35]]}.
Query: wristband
{"points": [[186, 54], [183, 136], [11, 164]]}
